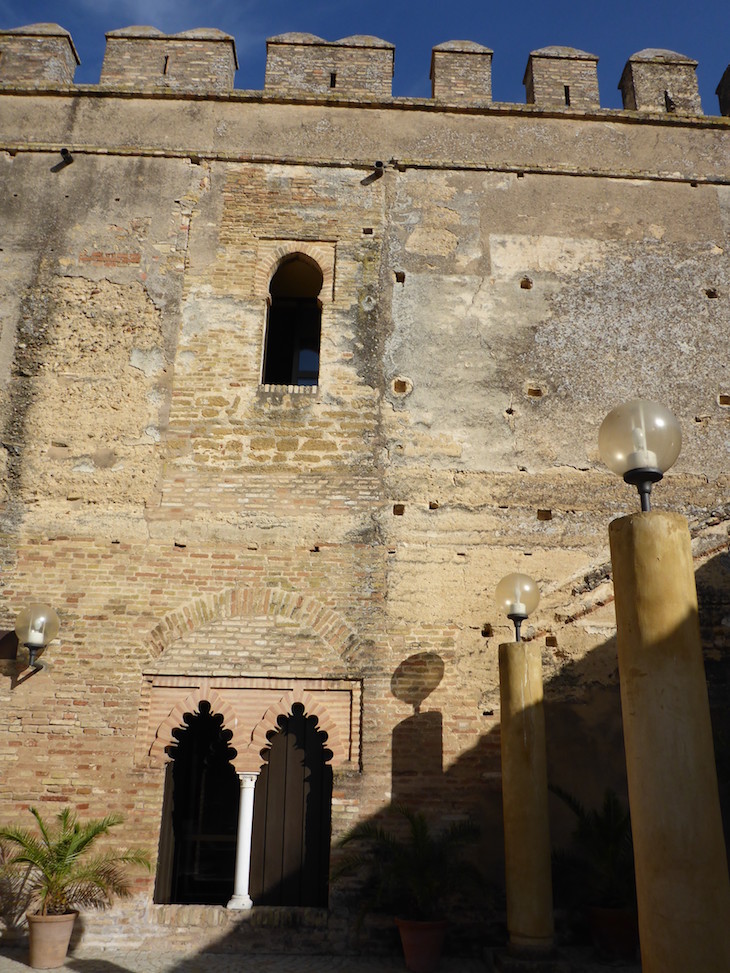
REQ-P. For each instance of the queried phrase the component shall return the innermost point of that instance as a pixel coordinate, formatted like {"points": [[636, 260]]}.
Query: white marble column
{"points": [[241, 899]]}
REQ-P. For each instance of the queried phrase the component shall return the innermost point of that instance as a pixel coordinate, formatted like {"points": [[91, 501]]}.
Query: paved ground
{"points": [[137, 961], [15, 961]]}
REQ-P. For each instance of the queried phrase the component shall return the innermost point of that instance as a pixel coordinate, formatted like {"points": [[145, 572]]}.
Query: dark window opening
{"points": [[566, 92], [205, 801], [294, 325], [333, 79], [166, 65], [669, 102]]}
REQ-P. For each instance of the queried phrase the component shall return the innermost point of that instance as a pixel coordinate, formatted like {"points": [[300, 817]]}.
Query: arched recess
{"points": [[257, 751], [165, 737], [293, 323], [292, 819], [271, 253], [197, 849], [308, 612], [163, 704]]}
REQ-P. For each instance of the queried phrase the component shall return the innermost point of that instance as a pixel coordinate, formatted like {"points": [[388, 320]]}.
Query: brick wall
{"points": [[461, 73], [200, 533], [360, 67], [37, 54], [660, 81], [560, 77], [723, 92], [144, 57]]}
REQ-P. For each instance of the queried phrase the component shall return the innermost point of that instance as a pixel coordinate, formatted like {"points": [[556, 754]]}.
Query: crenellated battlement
{"points": [[656, 80], [562, 77], [38, 53], [355, 68], [360, 66], [195, 60], [461, 73]]}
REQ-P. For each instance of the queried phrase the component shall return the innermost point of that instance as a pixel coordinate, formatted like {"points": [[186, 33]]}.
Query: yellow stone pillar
{"points": [[681, 867], [524, 798]]}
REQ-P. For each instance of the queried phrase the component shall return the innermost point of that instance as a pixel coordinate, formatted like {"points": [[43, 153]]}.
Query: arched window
{"points": [[291, 355], [290, 846], [203, 812]]}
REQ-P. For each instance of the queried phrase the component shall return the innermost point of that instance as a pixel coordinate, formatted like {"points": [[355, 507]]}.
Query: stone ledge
{"points": [[260, 916]]}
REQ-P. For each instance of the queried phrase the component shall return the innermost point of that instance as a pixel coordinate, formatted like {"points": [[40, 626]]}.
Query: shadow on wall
{"points": [[585, 756]]}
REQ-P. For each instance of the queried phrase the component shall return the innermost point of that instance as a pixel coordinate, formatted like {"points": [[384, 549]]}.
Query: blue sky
{"points": [[612, 29]]}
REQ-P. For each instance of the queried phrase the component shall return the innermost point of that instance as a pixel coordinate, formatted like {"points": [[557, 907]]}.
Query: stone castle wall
{"points": [[489, 293], [358, 67]]}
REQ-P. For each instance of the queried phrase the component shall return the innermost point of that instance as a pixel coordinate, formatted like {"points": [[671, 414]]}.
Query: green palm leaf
{"points": [[412, 871], [61, 875]]}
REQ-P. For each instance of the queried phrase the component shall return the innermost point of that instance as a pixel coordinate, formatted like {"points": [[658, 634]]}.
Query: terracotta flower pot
{"points": [[49, 939], [422, 943], [614, 931]]}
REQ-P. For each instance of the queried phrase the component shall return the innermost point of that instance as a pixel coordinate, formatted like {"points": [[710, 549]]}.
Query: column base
{"points": [[240, 902]]}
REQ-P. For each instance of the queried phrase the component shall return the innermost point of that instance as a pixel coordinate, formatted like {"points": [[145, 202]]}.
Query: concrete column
{"points": [[525, 798], [681, 867], [241, 898]]}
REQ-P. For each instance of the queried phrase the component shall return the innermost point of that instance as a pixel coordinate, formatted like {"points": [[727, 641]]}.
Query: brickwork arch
{"points": [[260, 743], [272, 253], [308, 612], [175, 720]]}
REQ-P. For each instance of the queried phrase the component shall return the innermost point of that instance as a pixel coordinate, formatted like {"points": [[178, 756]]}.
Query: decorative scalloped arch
{"points": [[252, 756], [273, 252], [240, 602], [174, 720]]}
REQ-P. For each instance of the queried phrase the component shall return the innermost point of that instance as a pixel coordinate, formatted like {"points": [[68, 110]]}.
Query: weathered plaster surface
{"points": [[511, 276]]}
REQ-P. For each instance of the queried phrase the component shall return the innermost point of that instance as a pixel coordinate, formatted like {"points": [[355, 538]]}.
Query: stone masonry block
{"points": [[302, 64], [723, 92], [562, 77], [461, 73], [194, 60], [37, 53], [660, 81]]}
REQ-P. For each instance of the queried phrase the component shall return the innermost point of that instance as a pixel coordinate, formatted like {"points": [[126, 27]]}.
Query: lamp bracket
{"points": [[517, 618], [645, 474], [643, 478]]}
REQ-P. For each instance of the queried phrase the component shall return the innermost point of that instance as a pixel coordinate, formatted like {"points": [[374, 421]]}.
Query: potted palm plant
{"points": [[62, 875], [411, 872], [599, 868]]}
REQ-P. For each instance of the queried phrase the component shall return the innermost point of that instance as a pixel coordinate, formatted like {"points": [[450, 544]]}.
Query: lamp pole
{"points": [[682, 887], [524, 778]]}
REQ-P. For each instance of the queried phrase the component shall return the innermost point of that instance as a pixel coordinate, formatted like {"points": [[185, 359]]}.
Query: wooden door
{"points": [[292, 816]]}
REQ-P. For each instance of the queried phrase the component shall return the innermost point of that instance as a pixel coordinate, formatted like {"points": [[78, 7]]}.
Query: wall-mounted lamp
{"points": [[640, 440], [36, 626], [517, 595]]}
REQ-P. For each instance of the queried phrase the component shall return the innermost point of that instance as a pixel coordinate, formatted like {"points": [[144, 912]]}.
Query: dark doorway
{"points": [[205, 793], [294, 324], [292, 816]]}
